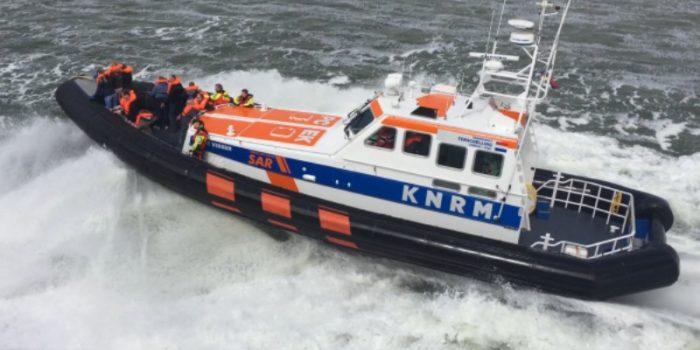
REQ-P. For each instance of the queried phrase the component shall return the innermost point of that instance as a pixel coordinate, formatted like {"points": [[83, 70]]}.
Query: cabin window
{"points": [[416, 143], [385, 137], [451, 156], [488, 163], [361, 120]]}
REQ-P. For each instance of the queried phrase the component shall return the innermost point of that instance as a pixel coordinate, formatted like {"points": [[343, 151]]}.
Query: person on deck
{"points": [[128, 103], [114, 74], [220, 96], [105, 91], [127, 75], [191, 90], [199, 139], [245, 99], [160, 96], [192, 110], [176, 101]]}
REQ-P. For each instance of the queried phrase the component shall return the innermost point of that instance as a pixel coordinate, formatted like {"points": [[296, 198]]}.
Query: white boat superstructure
{"points": [[432, 155]]}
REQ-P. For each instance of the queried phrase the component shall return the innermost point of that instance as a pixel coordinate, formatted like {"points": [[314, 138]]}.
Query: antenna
{"points": [[498, 30]]}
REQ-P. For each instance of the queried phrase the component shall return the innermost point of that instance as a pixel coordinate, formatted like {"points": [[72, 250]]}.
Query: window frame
{"points": [[393, 148], [464, 162], [503, 161], [417, 155]]}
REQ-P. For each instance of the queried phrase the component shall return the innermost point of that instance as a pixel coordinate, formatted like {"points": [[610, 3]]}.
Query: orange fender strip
{"points": [[221, 187], [276, 205], [335, 222]]}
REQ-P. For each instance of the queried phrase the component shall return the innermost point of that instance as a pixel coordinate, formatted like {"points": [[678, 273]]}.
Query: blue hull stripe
{"points": [[445, 202]]}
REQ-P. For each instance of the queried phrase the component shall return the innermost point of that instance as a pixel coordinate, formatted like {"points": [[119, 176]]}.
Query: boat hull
{"points": [[653, 266]]}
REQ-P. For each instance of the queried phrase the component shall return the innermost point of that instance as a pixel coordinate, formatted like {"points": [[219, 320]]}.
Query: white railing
{"points": [[601, 201]]}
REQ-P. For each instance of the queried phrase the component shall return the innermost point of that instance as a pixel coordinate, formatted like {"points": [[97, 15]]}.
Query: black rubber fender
{"points": [[651, 206]]}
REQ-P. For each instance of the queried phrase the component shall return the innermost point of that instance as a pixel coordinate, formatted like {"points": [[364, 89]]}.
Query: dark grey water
{"points": [[94, 256]]}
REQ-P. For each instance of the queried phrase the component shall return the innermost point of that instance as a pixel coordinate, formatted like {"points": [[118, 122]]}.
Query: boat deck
{"points": [[290, 129], [570, 225]]}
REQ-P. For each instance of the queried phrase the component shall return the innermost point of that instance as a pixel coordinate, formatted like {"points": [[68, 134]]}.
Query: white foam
{"points": [[96, 256]]}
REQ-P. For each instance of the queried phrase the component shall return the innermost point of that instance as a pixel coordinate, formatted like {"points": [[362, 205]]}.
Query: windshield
{"points": [[361, 120]]}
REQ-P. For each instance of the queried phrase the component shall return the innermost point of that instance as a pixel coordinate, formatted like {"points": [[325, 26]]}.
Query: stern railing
{"points": [[615, 205]]}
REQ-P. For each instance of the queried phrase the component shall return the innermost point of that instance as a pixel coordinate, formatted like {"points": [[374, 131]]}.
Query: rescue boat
{"points": [[422, 175]]}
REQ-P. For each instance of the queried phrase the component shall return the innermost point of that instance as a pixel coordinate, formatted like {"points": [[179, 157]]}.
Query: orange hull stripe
{"points": [[341, 242], [282, 164], [282, 224], [220, 187], [335, 222], [227, 207], [283, 181], [376, 108], [432, 128], [276, 205]]}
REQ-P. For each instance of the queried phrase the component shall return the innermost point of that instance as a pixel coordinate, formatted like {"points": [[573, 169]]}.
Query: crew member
{"points": [[176, 101], [127, 102], [199, 139], [197, 105], [127, 75], [114, 74], [245, 99], [105, 91], [191, 90], [192, 110], [220, 96], [160, 97]]}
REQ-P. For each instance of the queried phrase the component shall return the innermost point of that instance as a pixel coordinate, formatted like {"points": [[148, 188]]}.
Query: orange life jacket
{"points": [[143, 115], [127, 101], [114, 68], [197, 106], [128, 70], [173, 82]]}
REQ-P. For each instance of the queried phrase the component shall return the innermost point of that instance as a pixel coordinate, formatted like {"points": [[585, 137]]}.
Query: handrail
{"points": [[600, 200]]}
